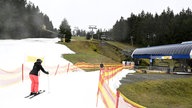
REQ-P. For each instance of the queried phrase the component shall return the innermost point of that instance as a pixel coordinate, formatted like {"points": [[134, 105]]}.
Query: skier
{"points": [[34, 76]]}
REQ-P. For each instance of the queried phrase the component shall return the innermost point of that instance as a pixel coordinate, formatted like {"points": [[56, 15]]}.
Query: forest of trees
{"points": [[146, 29], [19, 19]]}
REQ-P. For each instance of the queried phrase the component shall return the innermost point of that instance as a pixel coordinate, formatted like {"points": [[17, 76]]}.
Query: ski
{"points": [[40, 92], [27, 96], [32, 96]]}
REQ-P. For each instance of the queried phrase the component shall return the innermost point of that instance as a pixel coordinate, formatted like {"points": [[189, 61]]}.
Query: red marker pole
{"points": [[57, 69], [117, 99], [68, 67], [22, 72]]}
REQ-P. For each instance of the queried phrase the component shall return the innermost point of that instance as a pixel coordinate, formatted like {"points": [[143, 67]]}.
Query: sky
{"points": [[103, 13]]}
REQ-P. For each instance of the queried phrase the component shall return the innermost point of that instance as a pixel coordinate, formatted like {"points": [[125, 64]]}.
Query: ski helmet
{"points": [[39, 60]]}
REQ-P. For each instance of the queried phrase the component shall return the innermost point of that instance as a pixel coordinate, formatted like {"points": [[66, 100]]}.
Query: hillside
{"points": [[158, 90], [95, 51]]}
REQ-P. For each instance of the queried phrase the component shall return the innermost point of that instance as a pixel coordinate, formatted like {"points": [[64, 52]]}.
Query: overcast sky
{"points": [[103, 13]]}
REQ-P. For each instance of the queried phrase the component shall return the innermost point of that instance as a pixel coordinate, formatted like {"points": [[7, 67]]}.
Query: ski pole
{"points": [[48, 83]]}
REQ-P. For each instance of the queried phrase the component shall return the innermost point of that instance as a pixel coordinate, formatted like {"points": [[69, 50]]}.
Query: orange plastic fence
{"points": [[104, 91], [22, 73], [84, 65], [109, 98]]}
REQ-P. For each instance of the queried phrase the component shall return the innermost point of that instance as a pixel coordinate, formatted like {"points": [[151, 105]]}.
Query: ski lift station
{"points": [[170, 58]]}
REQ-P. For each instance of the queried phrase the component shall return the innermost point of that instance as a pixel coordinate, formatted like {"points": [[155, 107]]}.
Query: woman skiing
{"points": [[34, 76]]}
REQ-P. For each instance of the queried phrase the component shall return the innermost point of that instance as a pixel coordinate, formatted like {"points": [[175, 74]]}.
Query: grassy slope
{"points": [[93, 52], [174, 93], [121, 45]]}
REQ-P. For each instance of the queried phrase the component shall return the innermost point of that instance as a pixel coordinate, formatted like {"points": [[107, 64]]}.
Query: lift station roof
{"points": [[172, 51]]}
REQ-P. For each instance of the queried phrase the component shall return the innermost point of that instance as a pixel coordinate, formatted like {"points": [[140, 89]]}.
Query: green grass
{"points": [[174, 93], [121, 45], [92, 51]]}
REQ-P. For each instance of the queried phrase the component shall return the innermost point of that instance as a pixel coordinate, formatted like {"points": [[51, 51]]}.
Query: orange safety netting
{"points": [[110, 98], [21, 73]]}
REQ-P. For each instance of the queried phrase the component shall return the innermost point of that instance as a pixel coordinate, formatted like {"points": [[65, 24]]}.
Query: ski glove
{"points": [[47, 72]]}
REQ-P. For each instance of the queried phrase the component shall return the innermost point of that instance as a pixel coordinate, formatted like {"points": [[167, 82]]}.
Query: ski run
{"points": [[66, 90]]}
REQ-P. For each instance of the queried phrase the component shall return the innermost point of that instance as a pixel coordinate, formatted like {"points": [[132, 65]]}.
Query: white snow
{"points": [[67, 90], [73, 90]]}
